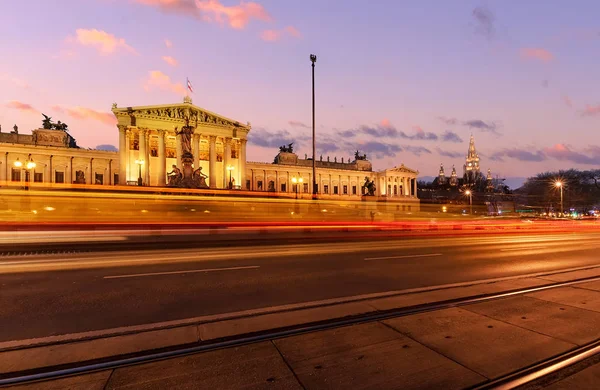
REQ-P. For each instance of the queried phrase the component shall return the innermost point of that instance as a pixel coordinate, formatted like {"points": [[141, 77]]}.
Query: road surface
{"points": [[45, 295]]}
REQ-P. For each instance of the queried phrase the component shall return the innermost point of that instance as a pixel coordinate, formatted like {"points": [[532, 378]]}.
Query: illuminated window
{"points": [[99, 179], [325, 189], [305, 187], [259, 185], [345, 190]]}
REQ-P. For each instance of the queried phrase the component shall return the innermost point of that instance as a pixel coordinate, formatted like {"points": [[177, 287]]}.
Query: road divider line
{"points": [[402, 257], [182, 272]]}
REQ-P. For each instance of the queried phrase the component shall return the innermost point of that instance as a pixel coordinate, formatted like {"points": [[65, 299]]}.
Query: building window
{"points": [[283, 187], [116, 179], [345, 190], [409, 207], [79, 177], [395, 190], [305, 188], [99, 179], [316, 189], [16, 175], [353, 190], [271, 186], [38, 177], [259, 185], [335, 190], [247, 184], [59, 177], [326, 189]]}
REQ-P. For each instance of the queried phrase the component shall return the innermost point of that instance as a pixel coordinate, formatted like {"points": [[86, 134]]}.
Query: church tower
{"points": [[489, 180], [453, 177], [441, 175], [471, 168]]}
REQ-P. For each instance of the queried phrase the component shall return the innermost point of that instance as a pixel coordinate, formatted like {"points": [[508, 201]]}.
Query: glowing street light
{"points": [[230, 168], [296, 182], [559, 184], [140, 163], [17, 163], [470, 195]]}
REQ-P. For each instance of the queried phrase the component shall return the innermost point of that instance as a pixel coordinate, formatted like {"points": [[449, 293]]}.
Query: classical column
{"points": [[128, 135], [179, 151], [340, 187], [242, 163], [70, 167], [142, 153], [414, 194], [92, 177], [162, 159], [110, 174], [405, 187], [123, 149], [226, 160], [196, 150], [50, 178], [276, 181], [147, 159], [212, 161]]}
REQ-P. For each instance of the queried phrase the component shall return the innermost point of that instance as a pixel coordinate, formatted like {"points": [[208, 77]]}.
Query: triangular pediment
{"points": [[402, 169], [178, 113]]}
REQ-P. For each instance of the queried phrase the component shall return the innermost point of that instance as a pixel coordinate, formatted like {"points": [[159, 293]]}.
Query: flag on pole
{"points": [[189, 85]]}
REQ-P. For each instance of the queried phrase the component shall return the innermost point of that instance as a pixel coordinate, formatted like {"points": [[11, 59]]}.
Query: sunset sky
{"points": [[402, 81]]}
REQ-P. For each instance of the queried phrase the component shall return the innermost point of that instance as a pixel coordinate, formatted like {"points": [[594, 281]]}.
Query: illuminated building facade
{"points": [[152, 141]]}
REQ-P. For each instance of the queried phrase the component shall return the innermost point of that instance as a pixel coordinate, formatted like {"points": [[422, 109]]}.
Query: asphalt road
{"points": [[60, 294]]}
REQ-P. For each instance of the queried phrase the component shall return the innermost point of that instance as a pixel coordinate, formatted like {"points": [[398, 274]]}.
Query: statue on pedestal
{"points": [[369, 186]]}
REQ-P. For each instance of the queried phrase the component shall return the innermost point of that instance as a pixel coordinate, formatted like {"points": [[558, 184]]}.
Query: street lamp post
{"points": [[140, 163], [313, 59], [230, 168], [559, 184], [297, 181], [29, 166], [470, 194]]}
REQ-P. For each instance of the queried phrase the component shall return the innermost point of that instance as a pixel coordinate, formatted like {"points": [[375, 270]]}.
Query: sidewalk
{"points": [[453, 348]]}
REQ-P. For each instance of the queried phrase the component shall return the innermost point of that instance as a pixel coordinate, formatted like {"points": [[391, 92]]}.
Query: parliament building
{"points": [[175, 144]]}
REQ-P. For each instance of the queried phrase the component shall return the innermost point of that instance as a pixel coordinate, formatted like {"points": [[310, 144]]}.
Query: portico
{"points": [[150, 137]]}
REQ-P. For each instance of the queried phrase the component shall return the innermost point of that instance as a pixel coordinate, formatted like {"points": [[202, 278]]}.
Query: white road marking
{"points": [[182, 272], [402, 257]]}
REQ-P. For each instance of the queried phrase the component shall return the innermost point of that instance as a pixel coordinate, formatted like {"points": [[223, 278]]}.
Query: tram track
{"points": [[511, 380]]}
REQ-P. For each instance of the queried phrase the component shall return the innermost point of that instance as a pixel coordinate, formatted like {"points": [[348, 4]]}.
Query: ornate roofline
{"points": [[173, 113]]}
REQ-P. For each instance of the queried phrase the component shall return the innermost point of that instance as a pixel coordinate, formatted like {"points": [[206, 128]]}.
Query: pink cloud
{"points": [[386, 123], [293, 31], [87, 113], [5, 77], [236, 16], [591, 110], [567, 101], [537, 54], [275, 35], [21, 106], [104, 42], [562, 152], [270, 35], [170, 60], [168, 43], [159, 80]]}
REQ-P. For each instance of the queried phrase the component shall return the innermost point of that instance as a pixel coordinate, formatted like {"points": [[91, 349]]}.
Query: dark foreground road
{"points": [[60, 294]]}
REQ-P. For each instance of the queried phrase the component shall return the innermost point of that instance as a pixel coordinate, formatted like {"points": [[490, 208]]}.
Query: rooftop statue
{"points": [[48, 125], [357, 156], [287, 149]]}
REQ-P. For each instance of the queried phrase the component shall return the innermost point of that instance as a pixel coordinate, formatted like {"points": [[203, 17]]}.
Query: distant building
{"points": [[472, 173]]}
